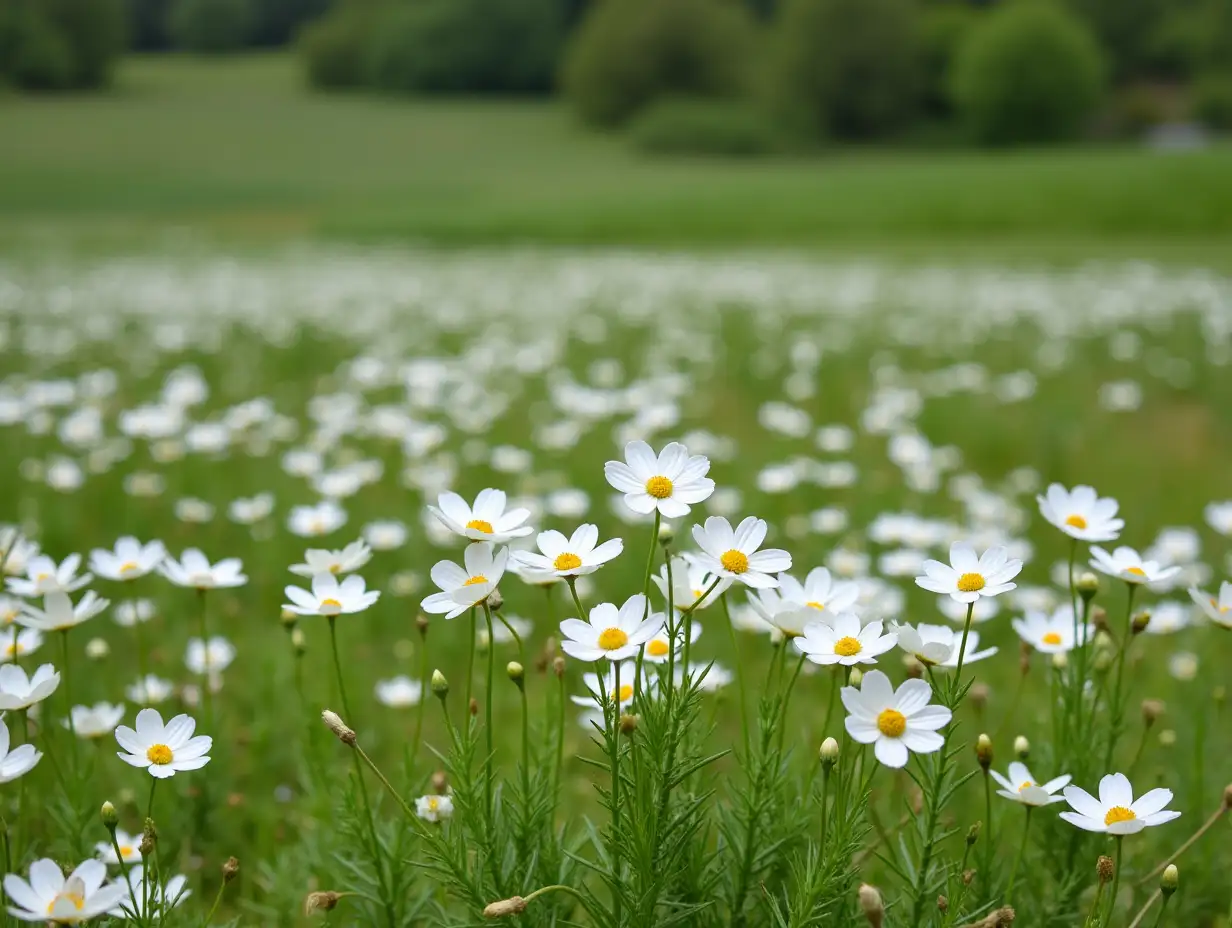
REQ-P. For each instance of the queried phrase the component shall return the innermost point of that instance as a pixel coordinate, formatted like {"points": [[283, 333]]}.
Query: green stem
{"points": [[333, 646], [68, 699], [825, 795], [207, 695], [962, 653], [139, 913], [1116, 880], [1117, 709], [615, 761], [214, 908], [571, 582], [1159, 919], [470, 660], [738, 664], [986, 850], [1022, 847], [424, 688], [791, 685], [488, 723]]}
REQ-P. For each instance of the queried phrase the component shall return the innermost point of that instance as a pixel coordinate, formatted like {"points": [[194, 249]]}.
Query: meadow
{"points": [[302, 370]]}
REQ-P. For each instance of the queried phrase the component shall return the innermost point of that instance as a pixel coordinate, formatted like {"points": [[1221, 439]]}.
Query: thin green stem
{"points": [[1116, 879], [986, 850], [962, 652], [741, 691], [138, 912], [207, 694], [488, 721], [791, 685], [560, 736], [1116, 708], [1022, 847], [615, 761], [1159, 919], [333, 647], [68, 699], [214, 908], [470, 658], [825, 795], [555, 888], [571, 582], [424, 689]]}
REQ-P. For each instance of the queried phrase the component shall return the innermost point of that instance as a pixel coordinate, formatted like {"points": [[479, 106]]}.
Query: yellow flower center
{"points": [[970, 583], [892, 723], [659, 487], [1051, 638], [1077, 522], [820, 607], [480, 525], [433, 803], [77, 899], [159, 754], [1136, 571], [335, 568], [657, 648], [331, 602], [126, 850], [1119, 814], [733, 561], [847, 646], [128, 567], [1025, 784], [41, 577], [567, 561], [626, 693], [612, 638], [477, 579]]}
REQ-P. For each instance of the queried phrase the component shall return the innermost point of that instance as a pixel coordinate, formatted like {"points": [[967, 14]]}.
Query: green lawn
{"points": [[240, 149]]}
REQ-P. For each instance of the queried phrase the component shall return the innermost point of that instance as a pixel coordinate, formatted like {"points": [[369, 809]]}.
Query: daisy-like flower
{"points": [[153, 901], [820, 592], [385, 534], [1081, 513], [1022, 787], [574, 556], [10, 608], [896, 722], [164, 750], [1115, 811], [967, 577], [733, 555], [15, 551], [96, 720], [658, 649], [28, 641], [487, 520], [614, 634], [399, 693], [43, 576], [150, 691], [1126, 564], [129, 560], [129, 612], [690, 581], [194, 570], [972, 650], [1052, 634], [130, 849], [323, 561], [1217, 608], [60, 613], [17, 762], [603, 690], [329, 597], [434, 808], [212, 656], [50, 897], [321, 519], [19, 691], [670, 483], [464, 589], [931, 645], [1167, 617], [1218, 516], [840, 639]]}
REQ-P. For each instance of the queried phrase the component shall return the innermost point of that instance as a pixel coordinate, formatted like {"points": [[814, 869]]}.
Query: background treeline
{"points": [[735, 76]]}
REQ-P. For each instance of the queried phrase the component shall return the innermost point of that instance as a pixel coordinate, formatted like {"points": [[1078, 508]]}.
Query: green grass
{"points": [[241, 149]]}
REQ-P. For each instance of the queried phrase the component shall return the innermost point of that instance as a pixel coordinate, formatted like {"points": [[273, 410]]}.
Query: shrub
{"points": [[704, 127], [942, 31], [1030, 72], [467, 46], [210, 26], [95, 32], [147, 25], [1212, 101], [53, 44], [628, 53], [33, 55], [275, 22], [335, 48], [847, 68]]}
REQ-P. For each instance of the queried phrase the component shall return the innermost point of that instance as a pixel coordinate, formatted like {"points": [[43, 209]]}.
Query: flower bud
{"points": [[1140, 621], [149, 838], [855, 677], [558, 666], [913, 667], [335, 724], [97, 649], [667, 534], [1167, 738], [298, 641], [1227, 796], [1022, 748], [829, 753], [983, 751], [1103, 660], [496, 602], [979, 696], [473, 708], [967, 877], [321, 902], [440, 686], [1024, 658], [628, 724], [230, 869], [515, 905], [943, 904], [440, 783], [1105, 869], [110, 817], [288, 619], [1060, 660], [871, 905], [1219, 695], [1152, 709], [1099, 618], [973, 833], [1088, 586], [421, 623], [516, 673], [1169, 880]]}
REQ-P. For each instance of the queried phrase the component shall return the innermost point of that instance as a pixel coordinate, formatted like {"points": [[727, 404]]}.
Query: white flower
{"points": [[15, 551], [150, 691], [49, 897], [690, 581], [43, 576], [487, 520], [615, 634], [1052, 634], [329, 597], [250, 510], [130, 559], [129, 612], [658, 649], [212, 656], [28, 641], [734, 555], [500, 633], [820, 592], [532, 576], [130, 849], [966, 578], [10, 608], [19, 691], [929, 644], [17, 762], [1219, 517], [97, 720], [309, 521], [164, 750], [322, 561], [669, 483], [1116, 812], [985, 608], [972, 650], [152, 900], [896, 723], [1218, 609], [1167, 617], [434, 808], [840, 639], [464, 589], [573, 556], [195, 571], [1022, 787], [399, 693], [604, 690], [60, 613], [1081, 513], [1126, 564], [385, 534]]}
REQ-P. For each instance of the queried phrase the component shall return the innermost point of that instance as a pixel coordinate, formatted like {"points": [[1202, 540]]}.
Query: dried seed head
{"points": [[628, 724], [973, 833], [983, 751], [321, 902], [967, 877], [473, 708], [440, 686], [230, 870], [496, 602], [1227, 796], [871, 905], [335, 724], [979, 696], [1152, 709], [516, 673], [1004, 916], [1105, 869], [440, 783], [1088, 586], [1169, 880], [421, 623], [1099, 618], [829, 753], [855, 677], [515, 905], [943, 904], [110, 817], [1022, 748], [1140, 621], [667, 534], [558, 666]]}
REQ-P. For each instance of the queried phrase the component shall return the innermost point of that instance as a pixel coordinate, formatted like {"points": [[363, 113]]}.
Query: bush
{"points": [[467, 46], [210, 26], [629, 53], [335, 48], [1212, 101], [942, 31], [33, 55], [147, 25], [275, 22], [847, 68], [1030, 72], [59, 44], [681, 126]]}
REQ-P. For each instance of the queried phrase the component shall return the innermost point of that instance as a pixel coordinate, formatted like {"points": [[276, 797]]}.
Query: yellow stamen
{"points": [[331, 602], [128, 567], [820, 607], [626, 692], [159, 754], [126, 850], [847, 646], [335, 569], [567, 561], [1025, 784], [1136, 571], [657, 648], [612, 638], [733, 561], [1077, 522], [970, 583], [1119, 814], [77, 899], [480, 525], [892, 723], [1051, 638], [659, 487], [478, 578], [433, 803]]}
